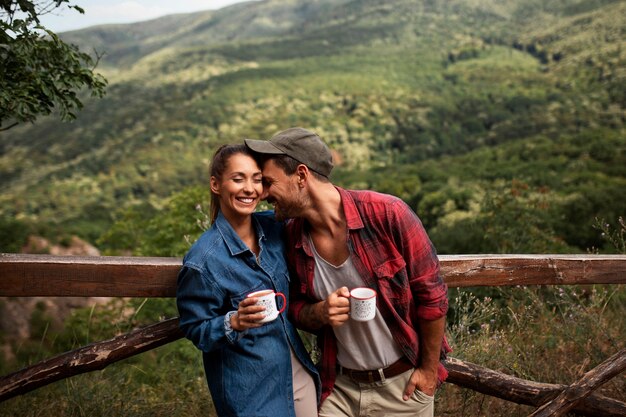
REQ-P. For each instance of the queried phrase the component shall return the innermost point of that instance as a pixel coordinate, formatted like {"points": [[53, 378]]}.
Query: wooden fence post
{"points": [[92, 357], [521, 391], [577, 392]]}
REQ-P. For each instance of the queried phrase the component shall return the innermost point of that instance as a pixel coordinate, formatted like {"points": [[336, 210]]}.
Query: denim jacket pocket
{"points": [[235, 299]]}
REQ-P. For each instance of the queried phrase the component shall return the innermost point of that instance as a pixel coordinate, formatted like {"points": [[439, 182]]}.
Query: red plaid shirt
{"points": [[393, 255]]}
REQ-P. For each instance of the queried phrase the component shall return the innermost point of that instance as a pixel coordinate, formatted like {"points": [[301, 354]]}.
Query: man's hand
{"points": [[422, 380], [248, 315], [337, 307], [425, 376], [333, 311]]}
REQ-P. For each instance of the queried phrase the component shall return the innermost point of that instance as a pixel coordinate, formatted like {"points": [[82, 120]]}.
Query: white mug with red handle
{"points": [[267, 299]]}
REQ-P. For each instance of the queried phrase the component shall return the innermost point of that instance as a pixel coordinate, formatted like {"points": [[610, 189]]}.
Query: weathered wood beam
{"points": [[521, 391], [89, 358], [503, 270], [87, 276], [577, 392], [112, 276]]}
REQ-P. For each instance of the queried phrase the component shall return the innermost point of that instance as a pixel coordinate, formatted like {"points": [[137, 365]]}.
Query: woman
{"points": [[252, 368]]}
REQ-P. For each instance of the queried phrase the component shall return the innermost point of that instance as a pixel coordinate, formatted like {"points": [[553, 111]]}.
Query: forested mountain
{"points": [[501, 122]]}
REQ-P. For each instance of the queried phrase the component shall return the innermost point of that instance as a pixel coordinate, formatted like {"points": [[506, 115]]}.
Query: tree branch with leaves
{"points": [[39, 73]]}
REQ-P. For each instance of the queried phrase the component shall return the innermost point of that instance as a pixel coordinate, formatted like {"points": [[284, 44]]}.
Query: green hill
{"points": [[500, 122]]}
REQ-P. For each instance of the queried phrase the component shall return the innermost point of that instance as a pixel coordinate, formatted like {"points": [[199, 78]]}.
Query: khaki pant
{"points": [[377, 399], [304, 393]]}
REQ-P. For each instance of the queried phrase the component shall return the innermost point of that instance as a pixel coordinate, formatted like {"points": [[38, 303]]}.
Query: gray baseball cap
{"points": [[302, 145]]}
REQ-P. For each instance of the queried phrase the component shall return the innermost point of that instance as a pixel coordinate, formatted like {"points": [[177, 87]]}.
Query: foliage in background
{"points": [[145, 231], [446, 104], [13, 235], [40, 73]]}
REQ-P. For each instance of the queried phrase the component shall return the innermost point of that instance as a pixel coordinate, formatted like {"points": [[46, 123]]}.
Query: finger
{"points": [[251, 321], [338, 320], [337, 300], [250, 325], [253, 312], [339, 310], [253, 309], [340, 292], [410, 388], [343, 302], [412, 384], [253, 324], [344, 292], [251, 317], [248, 302]]}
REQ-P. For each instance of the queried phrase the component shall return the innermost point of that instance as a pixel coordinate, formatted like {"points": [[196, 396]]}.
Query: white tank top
{"points": [[361, 345]]}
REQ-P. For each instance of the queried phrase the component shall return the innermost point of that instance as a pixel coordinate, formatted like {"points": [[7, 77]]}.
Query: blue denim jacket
{"points": [[248, 373]]}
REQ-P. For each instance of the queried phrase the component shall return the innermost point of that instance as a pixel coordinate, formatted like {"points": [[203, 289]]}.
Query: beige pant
{"points": [[378, 399], [304, 394]]}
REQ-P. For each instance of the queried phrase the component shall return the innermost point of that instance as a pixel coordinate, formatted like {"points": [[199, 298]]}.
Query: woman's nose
{"points": [[248, 187]]}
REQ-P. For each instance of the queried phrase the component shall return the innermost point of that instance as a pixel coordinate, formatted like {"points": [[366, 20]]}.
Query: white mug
{"points": [[267, 299], [362, 304]]}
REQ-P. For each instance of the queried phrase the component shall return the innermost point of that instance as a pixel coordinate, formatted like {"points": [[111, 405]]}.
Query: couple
{"points": [[335, 239]]}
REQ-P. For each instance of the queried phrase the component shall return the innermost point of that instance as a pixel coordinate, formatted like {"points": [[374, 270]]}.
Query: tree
{"points": [[38, 71]]}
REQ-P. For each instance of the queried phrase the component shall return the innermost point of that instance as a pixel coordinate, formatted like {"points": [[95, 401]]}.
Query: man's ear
{"points": [[302, 172], [215, 186]]}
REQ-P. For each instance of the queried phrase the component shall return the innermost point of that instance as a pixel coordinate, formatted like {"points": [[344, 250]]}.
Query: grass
{"points": [[167, 381], [543, 334]]}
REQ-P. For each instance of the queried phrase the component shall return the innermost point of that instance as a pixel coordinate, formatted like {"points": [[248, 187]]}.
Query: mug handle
{"points": [[280, 294]]}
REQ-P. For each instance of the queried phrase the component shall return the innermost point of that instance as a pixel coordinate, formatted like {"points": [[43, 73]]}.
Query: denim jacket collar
{"points": [[233, 242]]}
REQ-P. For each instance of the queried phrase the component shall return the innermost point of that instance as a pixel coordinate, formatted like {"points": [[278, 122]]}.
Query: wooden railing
{"points": [[41, 275]]}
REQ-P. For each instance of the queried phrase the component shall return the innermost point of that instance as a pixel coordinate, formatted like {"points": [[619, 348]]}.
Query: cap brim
{"points": [[262, 146]]}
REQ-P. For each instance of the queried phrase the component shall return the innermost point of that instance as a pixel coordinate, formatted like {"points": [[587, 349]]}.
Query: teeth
{"points": [[246, 200]]}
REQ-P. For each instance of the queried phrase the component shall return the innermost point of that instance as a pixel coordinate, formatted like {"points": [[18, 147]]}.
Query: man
{"points": [[339, 239]]}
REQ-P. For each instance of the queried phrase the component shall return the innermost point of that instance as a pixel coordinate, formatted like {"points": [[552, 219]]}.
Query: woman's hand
{"points": [[248, 315]]}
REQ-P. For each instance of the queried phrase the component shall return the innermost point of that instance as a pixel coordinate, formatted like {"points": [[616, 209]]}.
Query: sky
{"points": [[98, 12]]}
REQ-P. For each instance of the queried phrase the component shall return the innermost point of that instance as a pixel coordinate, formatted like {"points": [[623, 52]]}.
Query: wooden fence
{"points": [[43, 275]]}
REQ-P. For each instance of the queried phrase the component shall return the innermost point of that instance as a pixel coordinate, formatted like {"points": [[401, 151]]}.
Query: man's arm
{"points": [[425, 376], [429, 292], [333, 311]]}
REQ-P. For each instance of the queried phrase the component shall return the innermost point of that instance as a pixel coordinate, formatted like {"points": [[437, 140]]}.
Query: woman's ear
{"points": [[215, 186]]}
